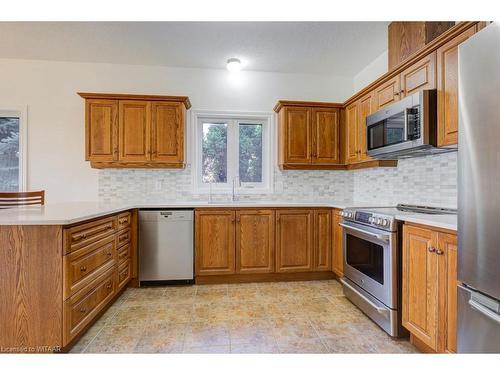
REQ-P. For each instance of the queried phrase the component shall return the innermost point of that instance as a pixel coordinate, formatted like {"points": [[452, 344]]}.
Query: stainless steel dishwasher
{"points": [[165, 246]]}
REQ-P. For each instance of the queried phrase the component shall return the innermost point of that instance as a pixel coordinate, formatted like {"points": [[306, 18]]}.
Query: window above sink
{"points": [[232, 149]]}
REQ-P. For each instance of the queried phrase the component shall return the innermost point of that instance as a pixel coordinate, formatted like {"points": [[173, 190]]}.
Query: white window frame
{"points": [[21, 112], [233, 119]]}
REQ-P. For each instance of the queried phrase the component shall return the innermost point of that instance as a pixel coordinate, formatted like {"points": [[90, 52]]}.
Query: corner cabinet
{"points": [[429, 294], [308, 136], [135, 131]]}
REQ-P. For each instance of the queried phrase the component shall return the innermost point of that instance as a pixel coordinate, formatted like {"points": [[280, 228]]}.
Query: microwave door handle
{"points": [[378, 236], [406, 124]]}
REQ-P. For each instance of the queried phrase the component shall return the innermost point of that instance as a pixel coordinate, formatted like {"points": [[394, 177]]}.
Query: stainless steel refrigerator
{"points": [[479, 193]]}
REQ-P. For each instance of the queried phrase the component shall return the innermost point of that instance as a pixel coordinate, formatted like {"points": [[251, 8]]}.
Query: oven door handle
{"points": [[382, 237]]}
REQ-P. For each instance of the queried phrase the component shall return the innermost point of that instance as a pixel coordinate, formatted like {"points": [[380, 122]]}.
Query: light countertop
{"points": [[74, 212]]}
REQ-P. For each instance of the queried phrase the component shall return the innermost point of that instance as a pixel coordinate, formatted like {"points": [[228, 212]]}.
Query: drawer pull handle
{"points": [[123, 238], [83, 268], [108, 286], [109, 226], [124, 221], [109, 254], [83, 310]]}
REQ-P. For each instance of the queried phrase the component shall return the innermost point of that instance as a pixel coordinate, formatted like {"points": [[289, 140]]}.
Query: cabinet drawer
{"points": [[123, 253], [81, 308], [85, 264], [123, 238], [124, 273], [86, 234], [124, 220]]}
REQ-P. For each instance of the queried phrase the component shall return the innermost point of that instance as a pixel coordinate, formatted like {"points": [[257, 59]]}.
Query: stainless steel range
{"points": [[372, 261]]}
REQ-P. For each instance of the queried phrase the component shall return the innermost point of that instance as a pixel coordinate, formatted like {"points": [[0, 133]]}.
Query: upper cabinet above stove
{"points": [[135, 131], [433, 65]]}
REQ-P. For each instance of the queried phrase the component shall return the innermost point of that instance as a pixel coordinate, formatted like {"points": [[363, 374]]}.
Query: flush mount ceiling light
{"points": [[233, 65]]}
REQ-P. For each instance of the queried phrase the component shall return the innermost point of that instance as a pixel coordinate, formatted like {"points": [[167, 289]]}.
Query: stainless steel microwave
{"points": [[407, 128]]}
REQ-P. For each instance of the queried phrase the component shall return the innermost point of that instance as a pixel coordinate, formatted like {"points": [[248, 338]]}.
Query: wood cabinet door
{"points": [[325, 129], [365, 107], [447, 89], [134, 128], [167, 132], [255, 241], [419, 76], [322, 240], [420, 284], [387, 93], [447, 248], [215, 247], [101, 129], [352, 133], [294, 240], [338, 245], [297, 135]]}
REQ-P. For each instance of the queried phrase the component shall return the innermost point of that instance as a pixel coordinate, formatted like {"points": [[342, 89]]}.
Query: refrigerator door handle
{"points": [[485, 311]]}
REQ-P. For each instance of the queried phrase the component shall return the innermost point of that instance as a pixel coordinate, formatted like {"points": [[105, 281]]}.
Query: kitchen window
{"points": [[12, 150], [232, 148]]}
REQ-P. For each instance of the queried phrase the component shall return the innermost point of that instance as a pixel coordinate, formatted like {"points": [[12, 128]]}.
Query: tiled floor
{"points": [[285, 317]]}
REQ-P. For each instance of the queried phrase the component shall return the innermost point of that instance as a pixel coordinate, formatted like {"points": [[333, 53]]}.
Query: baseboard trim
{"points": [[263, 277]]}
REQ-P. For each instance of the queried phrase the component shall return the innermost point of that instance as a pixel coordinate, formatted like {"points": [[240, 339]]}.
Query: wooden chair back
{"points": [[16, 199]]}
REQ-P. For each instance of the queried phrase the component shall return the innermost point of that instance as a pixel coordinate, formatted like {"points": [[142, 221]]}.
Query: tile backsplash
{"points": [[430, 180]]}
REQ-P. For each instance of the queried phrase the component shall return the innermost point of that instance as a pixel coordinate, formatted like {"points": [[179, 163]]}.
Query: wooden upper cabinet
{"points": [[294, 240], [447, 88], [308, 135], [387, 93], [325, 137], [101, 131], [352, 133], [322, 240], [365, 108], [337, 245], [297, 135], [214, 239], [254, 241], [167, 132], [134, 129], [420, 284], [419, 76]]}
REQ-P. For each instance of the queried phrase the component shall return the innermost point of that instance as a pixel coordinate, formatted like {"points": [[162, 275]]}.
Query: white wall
{"points": [[56, 114], [371, 72]]}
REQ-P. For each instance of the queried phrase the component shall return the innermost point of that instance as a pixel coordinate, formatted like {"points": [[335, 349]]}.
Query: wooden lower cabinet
{"points": [[430, 286], [322, 256], [63, 286], [241, 243], [294, 240], [215, 246], [254, 241], [337, 245]]}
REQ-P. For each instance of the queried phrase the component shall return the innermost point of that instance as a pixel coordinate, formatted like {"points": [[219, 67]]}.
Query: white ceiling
{"points": [[339, 48]]}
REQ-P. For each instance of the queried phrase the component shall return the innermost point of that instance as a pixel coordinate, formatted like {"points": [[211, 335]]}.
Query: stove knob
{"points": [[385, 222], [342, 213], [378, 221], [371, 220]]}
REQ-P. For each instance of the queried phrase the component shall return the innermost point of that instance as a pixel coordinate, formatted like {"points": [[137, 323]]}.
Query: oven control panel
{"points": [[376, 220]]}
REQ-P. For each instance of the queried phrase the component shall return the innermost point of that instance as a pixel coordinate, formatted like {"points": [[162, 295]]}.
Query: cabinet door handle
{"points": [[83, 269], [83, 310], [432, 249], [439, 252], [108, 286]]}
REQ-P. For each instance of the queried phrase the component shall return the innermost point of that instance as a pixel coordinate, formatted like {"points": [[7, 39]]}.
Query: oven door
{"points": [[370, 261]]}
